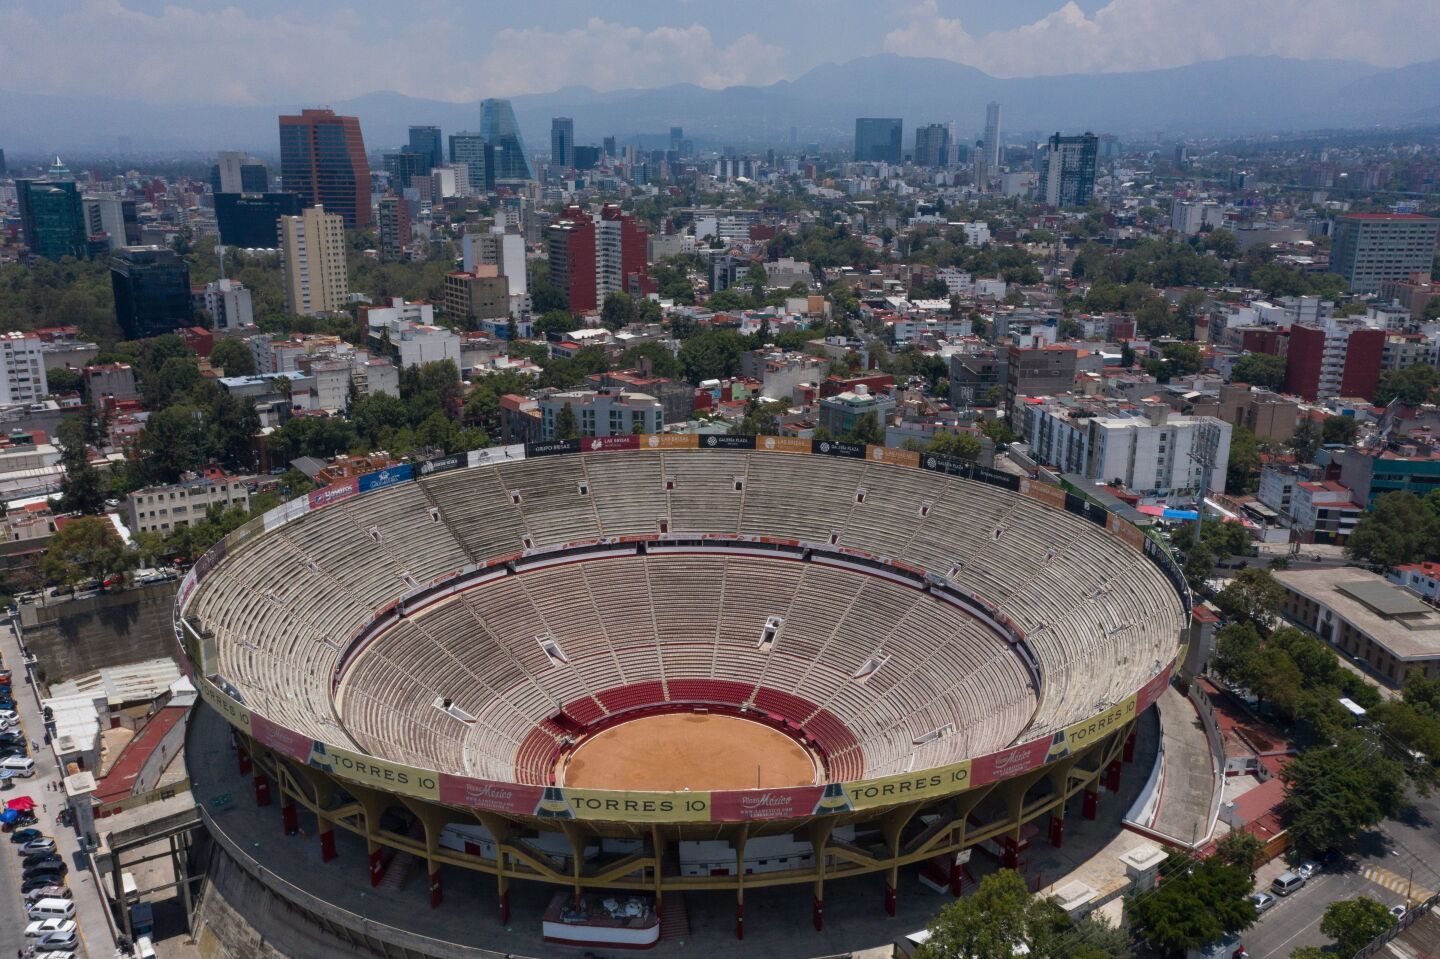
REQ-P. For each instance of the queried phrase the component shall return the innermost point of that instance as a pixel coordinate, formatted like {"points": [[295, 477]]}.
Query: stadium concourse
{"points": [[932, 656]]}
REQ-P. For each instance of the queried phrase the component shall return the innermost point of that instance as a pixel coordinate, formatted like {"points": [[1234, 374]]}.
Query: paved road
{"points": [[94, 931], [1401, 854]]}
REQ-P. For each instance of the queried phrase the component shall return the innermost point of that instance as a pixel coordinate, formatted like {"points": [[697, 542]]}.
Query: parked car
{"points": [[1398, 912], [48, 892], [41, 859], [46, 927], [38, 844], [25, 819], [57, 941], [47, 881], [1307, 869], [24, 835], [1286, 883], [51, 872], [1263, 901]]}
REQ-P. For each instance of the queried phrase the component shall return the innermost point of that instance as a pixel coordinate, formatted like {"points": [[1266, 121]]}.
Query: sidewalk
{"points": [[1191, 778], [90, 904]]}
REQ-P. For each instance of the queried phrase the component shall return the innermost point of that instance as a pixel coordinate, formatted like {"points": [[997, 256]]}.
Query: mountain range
{"points": [[1236, 96]]}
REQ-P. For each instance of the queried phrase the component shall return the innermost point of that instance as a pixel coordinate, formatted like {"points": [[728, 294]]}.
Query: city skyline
{"points": [[334, 52]]}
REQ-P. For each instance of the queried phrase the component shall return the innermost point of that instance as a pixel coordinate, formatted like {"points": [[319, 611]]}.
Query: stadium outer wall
{"points": [[930, 816]]}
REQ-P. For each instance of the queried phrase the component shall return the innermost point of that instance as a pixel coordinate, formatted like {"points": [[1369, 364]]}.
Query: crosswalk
{"points": [[1402, 885]]}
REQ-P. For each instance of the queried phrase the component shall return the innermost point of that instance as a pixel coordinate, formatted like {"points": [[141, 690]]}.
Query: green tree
{"points": [[1259, 369], [234, 357], [998, 430], [1353, 923], [712, 355], [1333, 794], [230, 431], [1339, 429], [566, 426], [1241, 849], [558, 322], [958, 445], [85, 548], [866, 430], [170, 443], [1305, 441], [1413, 385], [1242, 470], [1401, 529], [1196, 904], [82, 489], [618, 311], [1001, 917], [1253, 596]]}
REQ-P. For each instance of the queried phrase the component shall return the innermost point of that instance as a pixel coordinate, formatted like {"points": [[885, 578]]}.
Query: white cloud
{"points": [[1129, 35], [232, 56]]}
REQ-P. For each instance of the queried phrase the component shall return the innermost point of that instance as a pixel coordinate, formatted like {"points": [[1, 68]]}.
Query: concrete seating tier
{"points": [[681, 628]]}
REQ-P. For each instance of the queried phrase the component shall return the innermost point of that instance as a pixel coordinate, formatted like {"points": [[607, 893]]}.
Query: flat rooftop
{"points": [[1389, 614]]}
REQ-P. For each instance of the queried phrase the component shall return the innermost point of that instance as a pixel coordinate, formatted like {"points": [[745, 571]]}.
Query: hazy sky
{"points": [[269, 51]]}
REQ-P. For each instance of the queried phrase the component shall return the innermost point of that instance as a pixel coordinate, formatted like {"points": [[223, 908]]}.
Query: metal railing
{"points": [[1405, 922]]}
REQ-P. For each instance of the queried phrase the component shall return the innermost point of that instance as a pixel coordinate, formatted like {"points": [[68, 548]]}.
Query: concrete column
{"points": [[377, 865], [262, 789], [327, 840], [1091, 809], [289, 816], [243, 755], [820, 830], [437, 892], [1129, 754], [1112, 776], [740, 841], [1057, 828]]}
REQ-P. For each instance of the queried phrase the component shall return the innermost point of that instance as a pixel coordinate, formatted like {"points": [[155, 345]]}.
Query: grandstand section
{"points": [[599, 640]]}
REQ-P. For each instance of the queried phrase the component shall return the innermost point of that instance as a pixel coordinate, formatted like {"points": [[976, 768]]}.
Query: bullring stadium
{"points": [[635, 666]]}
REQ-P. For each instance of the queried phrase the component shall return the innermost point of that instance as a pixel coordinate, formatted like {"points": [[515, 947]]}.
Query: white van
{"points": [[144, 948], [52, 909], [22, 766]]}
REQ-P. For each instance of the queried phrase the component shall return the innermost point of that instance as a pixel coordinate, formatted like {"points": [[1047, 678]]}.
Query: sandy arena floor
{"points": [[689, 751]]}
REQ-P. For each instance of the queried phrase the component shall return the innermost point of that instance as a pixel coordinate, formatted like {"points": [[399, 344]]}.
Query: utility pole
{"points": [[1204, 449]]}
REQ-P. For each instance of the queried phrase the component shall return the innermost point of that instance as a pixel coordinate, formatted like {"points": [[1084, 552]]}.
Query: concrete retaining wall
{"points": [[70, 637]]}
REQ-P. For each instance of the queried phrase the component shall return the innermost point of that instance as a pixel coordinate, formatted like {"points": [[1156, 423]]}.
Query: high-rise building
{"points": [[2, 163], [52, 218], [593, 255], [562, 143], [394, 227], [586, 158], [932, 145], [403, 168], [22, 372], [478, 157], [878, 139], [251, 220], [502, 132], [570, 247], [609, 145], [990, 145], [113, 218], [312, 261], [237, 172], [677, 137], [1371, 248], [152, 291], [425, 142], [479, 294], [1335, 357], [229, 305], [322, 158], [1067, 177], [497, 248]]}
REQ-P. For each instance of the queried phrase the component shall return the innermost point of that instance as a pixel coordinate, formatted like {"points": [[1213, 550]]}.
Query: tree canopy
{"points": [[1195, 905], [1332, 795], [85, 548], [1402, 528]]}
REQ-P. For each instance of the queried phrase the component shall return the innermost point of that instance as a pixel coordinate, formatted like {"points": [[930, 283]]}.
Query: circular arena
{"points": [[658, 663]]}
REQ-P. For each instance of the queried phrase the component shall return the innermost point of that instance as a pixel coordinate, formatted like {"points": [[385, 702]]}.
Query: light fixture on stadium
{"points": [[870, 667], [940, 732], [770, 633], [447, 706]]}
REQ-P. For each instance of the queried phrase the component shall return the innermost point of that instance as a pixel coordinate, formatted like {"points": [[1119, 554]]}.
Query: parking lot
{"points": [[1402, 855], [93, 937]]}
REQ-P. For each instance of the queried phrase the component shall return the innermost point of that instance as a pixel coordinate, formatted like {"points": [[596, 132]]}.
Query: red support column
{"points": [[817, 914], [1112, 776], [505, 908], [437, 894], [327, 845], [377, 868], [262, 789], [1129, 753], [957, 878], [1057, 831], [740, 921], [889, 900], [243, 755], [1092, 804], [289, 816], [1012, 854]]}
